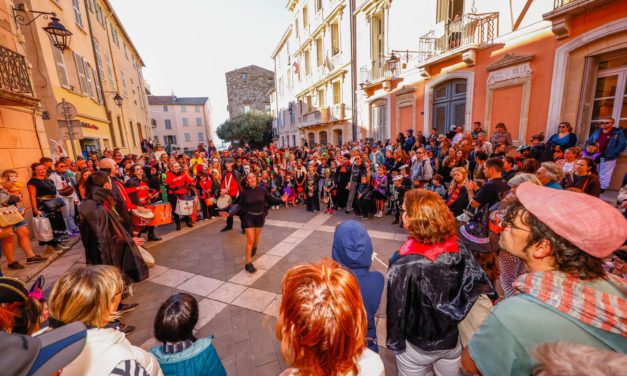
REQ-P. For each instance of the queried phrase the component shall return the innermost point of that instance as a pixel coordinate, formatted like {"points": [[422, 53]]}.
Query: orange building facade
{"points": [[530, 65]]}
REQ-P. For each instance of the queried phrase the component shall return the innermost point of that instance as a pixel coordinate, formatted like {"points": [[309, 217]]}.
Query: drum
{"points": [[141, 217], [224, 202], [163, 214], [160, 214], [184, 206]]}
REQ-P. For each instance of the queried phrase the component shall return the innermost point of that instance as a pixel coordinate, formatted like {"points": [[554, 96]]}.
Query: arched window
{"points": [[322, 138], [449, 105], [311, 139]]}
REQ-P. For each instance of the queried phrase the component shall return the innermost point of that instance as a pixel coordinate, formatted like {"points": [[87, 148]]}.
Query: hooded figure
{"points": [[352, 248]]}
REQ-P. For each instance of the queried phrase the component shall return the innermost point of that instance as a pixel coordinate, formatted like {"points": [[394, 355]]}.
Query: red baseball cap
{"points": [[585, 221]]}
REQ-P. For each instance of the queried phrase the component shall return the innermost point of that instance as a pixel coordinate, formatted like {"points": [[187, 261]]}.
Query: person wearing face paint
{"points": [[253, 202], [178, 183]]}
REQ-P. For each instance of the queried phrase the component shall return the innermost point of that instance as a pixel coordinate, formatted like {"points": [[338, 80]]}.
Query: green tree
{"points": [[253, 128]]}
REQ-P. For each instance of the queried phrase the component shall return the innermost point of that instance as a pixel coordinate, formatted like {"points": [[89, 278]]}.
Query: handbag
{"points": [[10, 216], [474, 319], [42, 229], [6, 232], [54, 204], [66, 191]]}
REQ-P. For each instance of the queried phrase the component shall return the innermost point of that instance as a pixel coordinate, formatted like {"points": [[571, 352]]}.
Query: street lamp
{"points": [[59, 35], [118, 99], [392, 62]]}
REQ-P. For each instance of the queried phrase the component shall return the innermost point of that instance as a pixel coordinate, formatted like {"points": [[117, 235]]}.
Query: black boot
{"points": [[189, 223], [153, 237], [227, 228], [178, 225], [250, 268]]}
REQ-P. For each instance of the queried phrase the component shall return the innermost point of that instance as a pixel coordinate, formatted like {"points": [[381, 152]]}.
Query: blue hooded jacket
{"points": [[352, 248]]}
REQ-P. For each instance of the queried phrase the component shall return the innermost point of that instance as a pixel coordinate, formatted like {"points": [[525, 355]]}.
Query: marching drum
{"points": [[224, 202], [184, 205], [161, 214], [140, 217]]}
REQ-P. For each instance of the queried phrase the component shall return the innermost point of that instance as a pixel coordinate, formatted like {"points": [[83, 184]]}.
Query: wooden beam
{"points": [[522, 15]]}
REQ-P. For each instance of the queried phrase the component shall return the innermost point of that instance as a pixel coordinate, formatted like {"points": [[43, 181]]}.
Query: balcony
{"points": [[15, 85], [310, 118], [376, 76], [564, 10], [337, 112], [462, 36]]}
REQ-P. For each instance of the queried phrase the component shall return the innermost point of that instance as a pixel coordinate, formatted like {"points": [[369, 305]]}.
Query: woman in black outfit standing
{"points": [[40, 190], [252, 202]]}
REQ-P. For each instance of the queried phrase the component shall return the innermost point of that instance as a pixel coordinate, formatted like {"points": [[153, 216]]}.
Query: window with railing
{"points": [[466, 30], [13, 73]]}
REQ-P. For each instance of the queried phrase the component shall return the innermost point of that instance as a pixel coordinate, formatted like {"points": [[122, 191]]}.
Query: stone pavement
{"points": [[238, 308]]}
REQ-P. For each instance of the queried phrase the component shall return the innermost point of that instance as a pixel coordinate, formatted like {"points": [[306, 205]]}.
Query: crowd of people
{"points": [[510, 253]]}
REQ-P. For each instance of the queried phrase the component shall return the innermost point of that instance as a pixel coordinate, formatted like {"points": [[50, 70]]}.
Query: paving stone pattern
{"points": [[237, 308]]}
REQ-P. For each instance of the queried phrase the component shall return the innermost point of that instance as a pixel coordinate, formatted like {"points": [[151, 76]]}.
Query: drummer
{"points": [[178, 185], [141, 195], [230, 186]]}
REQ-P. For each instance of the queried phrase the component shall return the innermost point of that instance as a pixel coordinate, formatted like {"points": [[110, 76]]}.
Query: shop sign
{"points": [[510, 73], [89, 126]]}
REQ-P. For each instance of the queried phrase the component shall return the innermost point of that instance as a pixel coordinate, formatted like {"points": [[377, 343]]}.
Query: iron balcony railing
{"points": [[375, 72], [13, 73], [310, 118], [466, 30]]}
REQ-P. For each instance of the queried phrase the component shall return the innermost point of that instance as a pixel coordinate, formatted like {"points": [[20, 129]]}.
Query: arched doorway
{"points": [[322, 137], [311, 139], [449, 105], [337, 137]]}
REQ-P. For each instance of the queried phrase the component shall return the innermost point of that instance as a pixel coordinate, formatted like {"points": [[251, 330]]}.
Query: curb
{"points": [[38, 268]]}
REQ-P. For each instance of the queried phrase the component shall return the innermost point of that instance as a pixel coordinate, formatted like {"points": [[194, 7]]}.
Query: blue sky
{"points": [[188, 45]]}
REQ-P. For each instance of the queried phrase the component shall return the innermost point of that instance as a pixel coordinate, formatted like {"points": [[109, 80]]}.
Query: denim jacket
{"points": [[616, 144]]}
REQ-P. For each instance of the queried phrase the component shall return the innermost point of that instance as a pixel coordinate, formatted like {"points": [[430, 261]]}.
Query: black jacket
{"points": [[106, 241], [427, 299]]}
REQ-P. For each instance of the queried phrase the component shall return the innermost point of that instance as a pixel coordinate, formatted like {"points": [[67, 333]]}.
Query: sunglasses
{"points": [[562, 126], [607, 122]]}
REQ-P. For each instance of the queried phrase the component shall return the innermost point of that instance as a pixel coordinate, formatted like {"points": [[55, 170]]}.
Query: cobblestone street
{"points": [[236, 307]]}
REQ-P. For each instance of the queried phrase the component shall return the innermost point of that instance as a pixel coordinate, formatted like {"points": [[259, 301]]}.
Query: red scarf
{"points": [[124, 194], [454, 195], [430, 251]]}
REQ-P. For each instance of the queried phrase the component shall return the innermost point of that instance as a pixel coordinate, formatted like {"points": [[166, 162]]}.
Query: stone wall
{"points": [[248, 86]]}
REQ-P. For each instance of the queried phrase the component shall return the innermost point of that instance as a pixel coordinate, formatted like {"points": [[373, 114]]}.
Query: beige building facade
{"points": [[180, 123], [100, 62], [314, 74]]}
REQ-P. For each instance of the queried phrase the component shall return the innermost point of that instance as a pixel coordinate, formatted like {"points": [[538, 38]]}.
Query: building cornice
{"points": [[284, 38], [123, 30], [370, 7], [339, 72], [291, 4]]}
